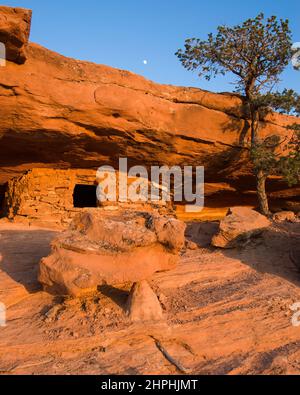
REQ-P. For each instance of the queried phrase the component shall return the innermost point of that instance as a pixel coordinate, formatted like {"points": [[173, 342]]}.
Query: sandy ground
{"points": [[226, 312]]}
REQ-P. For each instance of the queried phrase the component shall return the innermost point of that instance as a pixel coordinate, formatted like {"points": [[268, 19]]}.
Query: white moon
{"points": [[145, 61]]}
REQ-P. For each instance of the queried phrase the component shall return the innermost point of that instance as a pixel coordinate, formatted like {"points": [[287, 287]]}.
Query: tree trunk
{"points": [[260, 175], [261, 192], [254, 125]]}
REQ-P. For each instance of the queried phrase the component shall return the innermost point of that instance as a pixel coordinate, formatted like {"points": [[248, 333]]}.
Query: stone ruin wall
{"points": [[45, 197]]}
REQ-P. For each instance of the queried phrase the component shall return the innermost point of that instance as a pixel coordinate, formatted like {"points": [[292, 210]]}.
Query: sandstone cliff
{"points": [[61, 112]]}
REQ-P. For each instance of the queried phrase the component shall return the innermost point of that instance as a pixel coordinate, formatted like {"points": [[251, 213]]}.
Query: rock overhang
{"points": [[59, 112]]}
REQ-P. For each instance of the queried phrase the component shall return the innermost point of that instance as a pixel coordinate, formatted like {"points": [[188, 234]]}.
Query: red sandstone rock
{"points": [[282, 216], [78, 114], [226, 313], [190, 245], [14, 32], [169, 232], [143, 304], [113, 248], [240, 224]]}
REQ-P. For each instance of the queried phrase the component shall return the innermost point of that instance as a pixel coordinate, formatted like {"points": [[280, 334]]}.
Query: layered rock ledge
{"points": [[59, 112]]}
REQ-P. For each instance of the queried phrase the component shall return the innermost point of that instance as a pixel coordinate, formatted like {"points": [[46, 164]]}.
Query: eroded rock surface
{"points": [[240, 224], [112, 248], [225, 312], [78, 114], [14, 32]]}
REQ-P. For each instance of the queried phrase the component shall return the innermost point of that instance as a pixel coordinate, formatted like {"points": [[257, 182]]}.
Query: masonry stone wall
{"points": [[45, 197]]}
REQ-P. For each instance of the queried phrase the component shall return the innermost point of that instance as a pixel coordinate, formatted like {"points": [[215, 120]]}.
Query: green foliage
{"points": [[264, 158], [263, 155], [285, 102], [256, 52], [289, 165]]}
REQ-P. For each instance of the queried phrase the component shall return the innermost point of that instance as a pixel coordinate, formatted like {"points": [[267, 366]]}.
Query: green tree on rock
{"points": [[255, 53]]}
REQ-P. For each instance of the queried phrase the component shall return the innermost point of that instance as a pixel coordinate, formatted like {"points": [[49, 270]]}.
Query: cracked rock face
{"points": [[78, 114], [118, 248]]}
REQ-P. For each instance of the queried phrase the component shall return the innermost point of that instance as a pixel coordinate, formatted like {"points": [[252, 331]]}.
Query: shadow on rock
{"points": [[276, 251], [117, 295], [201, 233], [21, 252]]}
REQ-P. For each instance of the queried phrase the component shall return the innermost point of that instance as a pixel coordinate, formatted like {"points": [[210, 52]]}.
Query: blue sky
{"points": [[124, 33]]}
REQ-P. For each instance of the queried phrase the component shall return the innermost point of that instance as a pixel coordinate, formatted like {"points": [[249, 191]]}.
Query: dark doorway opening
{"points": [[85, 196], [3, 189]]}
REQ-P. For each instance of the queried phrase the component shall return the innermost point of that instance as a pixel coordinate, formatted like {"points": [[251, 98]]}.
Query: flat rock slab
{"points": [[112, 248]]}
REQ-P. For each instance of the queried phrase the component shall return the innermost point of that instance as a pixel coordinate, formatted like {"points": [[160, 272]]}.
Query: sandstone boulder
{"points": [[191, 245], [282, 216], [143, 304], [240, 224], [169, 232], [110, 247], [14, 32]]}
